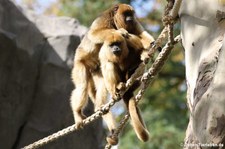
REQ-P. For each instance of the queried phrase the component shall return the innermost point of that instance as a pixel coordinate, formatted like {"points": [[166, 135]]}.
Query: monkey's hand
{"points": [[112, 139], [119, 89], [123, 32], [145, 56]]}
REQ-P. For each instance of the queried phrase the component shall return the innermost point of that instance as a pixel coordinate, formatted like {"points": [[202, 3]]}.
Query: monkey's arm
{"points": [[136, 43], [98, 36], [145, 37], [111, 78], [99, 30]]}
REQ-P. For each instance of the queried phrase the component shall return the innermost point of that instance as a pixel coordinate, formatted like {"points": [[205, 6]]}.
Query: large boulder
{"points": [[36, 57]]}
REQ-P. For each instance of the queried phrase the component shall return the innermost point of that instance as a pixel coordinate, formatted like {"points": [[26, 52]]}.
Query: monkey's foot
{"points": [[79, 124], [112, 140], [116, 96], [153, 44], [79, 121]]}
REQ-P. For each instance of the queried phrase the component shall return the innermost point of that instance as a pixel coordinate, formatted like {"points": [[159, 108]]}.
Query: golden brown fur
{"points": [[117, 68], [84, 75]]}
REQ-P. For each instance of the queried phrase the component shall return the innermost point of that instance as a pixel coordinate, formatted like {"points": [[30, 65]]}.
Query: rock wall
{"points": [[36, 56]]}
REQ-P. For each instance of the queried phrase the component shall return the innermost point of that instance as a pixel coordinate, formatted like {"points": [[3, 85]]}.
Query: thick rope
{"points": [[146, 80], [103, 110], [156, 67], [72, 128], [176, 8], [119, 129]]}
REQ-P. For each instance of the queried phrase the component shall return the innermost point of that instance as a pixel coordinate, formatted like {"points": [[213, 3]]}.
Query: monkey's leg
{"points": [[137, 121], [98, 93], [79, 95], [100, 100], [91, 89]]}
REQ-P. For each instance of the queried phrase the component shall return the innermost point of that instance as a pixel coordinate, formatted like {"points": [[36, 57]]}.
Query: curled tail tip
{"points": [[144, 136]]}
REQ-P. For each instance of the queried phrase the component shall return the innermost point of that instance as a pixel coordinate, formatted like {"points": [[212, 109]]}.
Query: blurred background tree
{"points": [[164, 105]]}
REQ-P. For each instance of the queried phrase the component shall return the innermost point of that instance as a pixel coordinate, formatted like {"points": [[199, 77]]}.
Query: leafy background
{"points": [[164, 105]]}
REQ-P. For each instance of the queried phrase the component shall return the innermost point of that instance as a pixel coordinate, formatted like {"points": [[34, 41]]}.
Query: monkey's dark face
{"points": [[124, 17], [116, 48], [129, 16]]}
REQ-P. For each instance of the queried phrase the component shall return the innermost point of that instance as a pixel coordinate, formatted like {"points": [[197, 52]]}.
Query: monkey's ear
{"points": [[115, 8]]}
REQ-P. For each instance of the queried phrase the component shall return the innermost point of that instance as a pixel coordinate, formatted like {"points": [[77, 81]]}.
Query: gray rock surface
{"points": [[36, 56]]}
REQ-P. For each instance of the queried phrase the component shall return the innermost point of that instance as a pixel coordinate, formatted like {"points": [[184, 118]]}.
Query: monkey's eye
{"points": [[117, 43], [129, 13], [129, 16]]}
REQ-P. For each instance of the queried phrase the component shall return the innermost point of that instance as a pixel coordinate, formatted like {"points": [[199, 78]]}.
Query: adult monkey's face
{"points": [[124, 17]]}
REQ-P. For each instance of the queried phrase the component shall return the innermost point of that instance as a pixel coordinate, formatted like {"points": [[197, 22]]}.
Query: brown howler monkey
{"points": [[118, 59], [119, 17]]}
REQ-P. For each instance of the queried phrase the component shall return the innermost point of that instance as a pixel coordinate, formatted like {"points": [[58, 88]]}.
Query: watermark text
{"points": [[201, 145]]}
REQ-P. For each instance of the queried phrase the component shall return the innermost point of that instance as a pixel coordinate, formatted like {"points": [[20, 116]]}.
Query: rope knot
{"points": [[168, 19]]}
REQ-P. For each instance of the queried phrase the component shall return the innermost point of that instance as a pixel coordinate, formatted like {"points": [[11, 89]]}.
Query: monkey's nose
{"points": [[117, 51], [129, 19]]}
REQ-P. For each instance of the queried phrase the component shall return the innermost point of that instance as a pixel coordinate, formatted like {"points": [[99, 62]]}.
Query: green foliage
{"points": [[85, 10], [164, 106]]}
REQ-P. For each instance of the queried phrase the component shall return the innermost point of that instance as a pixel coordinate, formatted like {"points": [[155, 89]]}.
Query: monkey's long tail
{"points": [[137, 121]]}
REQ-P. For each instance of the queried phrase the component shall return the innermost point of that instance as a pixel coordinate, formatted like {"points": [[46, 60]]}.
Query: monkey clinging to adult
{"points": [[119, 58], [120, 17]]}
